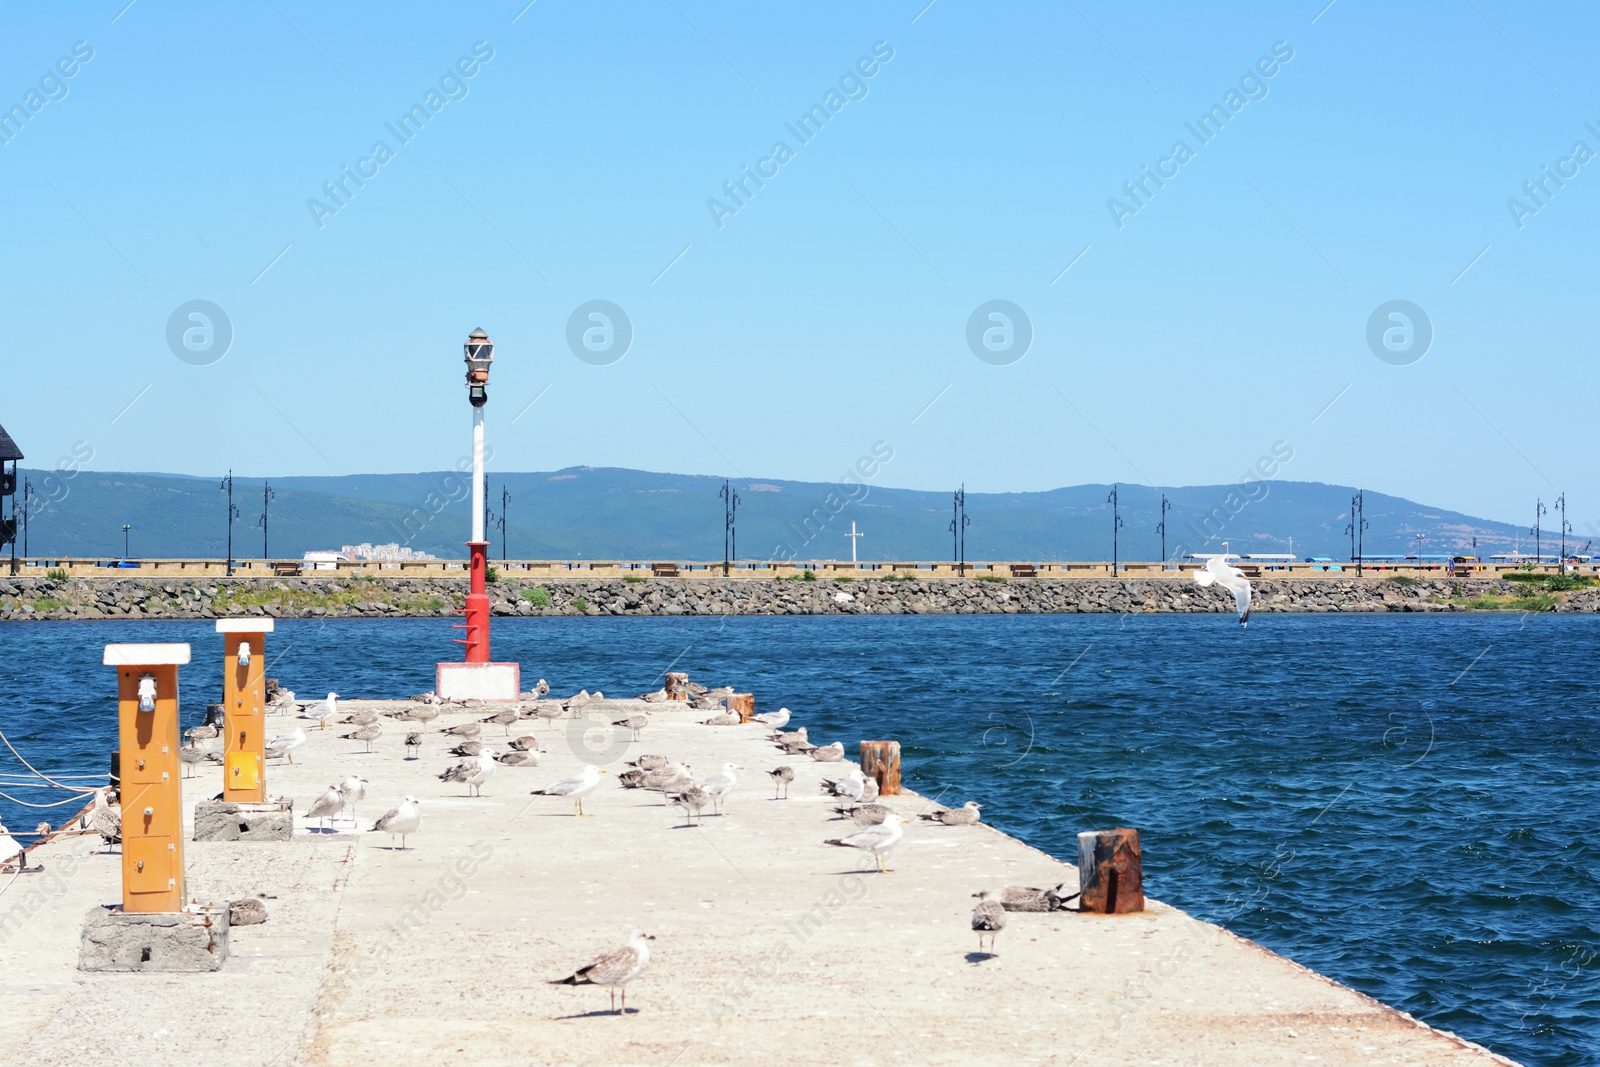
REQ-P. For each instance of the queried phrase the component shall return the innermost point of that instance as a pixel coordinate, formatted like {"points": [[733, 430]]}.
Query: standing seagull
{"points": [[285, 745], [1218, 572], [325, 807], [989, 917], [615, 969], [781, 777], [635, 722], [367, 734], [718, 786], [576, 787], [403, 820], [413, 743], [876, 839], [354, 789], [504, 718], [324, 710], [474, 771]]}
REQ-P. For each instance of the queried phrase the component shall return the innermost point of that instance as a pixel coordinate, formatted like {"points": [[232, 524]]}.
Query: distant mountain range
{"points": [[616, 513]]}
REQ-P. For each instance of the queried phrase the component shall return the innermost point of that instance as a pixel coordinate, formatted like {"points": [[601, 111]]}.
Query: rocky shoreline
{"points": [[173, 598]]}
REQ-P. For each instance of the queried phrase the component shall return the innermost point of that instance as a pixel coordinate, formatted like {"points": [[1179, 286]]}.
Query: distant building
{"points": [[321, 561]]}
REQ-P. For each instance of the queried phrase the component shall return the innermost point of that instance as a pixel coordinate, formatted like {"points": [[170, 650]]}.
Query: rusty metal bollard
{"points": [[1110, 873], [881, 760]]}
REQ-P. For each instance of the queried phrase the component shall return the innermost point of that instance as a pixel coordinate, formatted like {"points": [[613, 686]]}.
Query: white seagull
{"points": [[876, 839], [286, 744], [1218, 572], [775, 719], [325, 807], [718, 786], [576, 787], [402, 820], [354, 789], [475, 770], [324, 710]]}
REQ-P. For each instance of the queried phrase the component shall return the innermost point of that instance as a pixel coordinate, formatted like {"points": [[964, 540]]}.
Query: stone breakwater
{"points": [[170, 598]]}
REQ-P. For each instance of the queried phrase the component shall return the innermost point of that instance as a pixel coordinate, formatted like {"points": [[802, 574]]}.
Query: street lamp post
{"points": [[125, 529], [1539, 512], [958, 530], [233, 513], [268, 494], [1561, 502], [1161, 528], [1116, 524], [479, 353], [730, 520]]}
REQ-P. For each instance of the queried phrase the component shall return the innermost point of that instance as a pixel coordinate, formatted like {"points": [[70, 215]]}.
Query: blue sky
{"points": [[578, 162]]}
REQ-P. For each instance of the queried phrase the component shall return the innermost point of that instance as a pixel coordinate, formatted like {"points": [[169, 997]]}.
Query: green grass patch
{"points": [[579, 604], [990, 578], [896, 578], [808, 576], [1551, 583], [47, 604], [56, 574], [1538, 602], [1402, 580], [844, 578], [491, 575], [539, 598], [634, 579]]}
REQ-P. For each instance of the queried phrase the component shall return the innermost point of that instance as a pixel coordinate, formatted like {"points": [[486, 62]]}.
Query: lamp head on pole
{"points": [[479, 354]]}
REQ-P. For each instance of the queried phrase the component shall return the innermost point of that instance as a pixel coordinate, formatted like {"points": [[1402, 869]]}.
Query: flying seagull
{"points": [[1217, 571]]}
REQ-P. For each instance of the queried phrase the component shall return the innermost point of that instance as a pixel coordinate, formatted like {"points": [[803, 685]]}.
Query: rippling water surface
{"points": [[1404, 803]]}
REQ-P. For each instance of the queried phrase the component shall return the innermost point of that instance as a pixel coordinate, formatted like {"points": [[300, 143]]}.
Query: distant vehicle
{"points": [[1324, 563], [121, 563]]}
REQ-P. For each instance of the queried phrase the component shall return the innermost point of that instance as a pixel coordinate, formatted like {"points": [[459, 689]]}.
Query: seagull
{"points": [[360, 718], [413, 744], [467, 748], [474, 771], [354, 789], [518, 759], [793, 738], [106, 818], [576, 787], [286, 744], [403, 820], [851, 786], [525, 743], [966, 815], [718, 786], [876, 839], [326, 806], [549, 712], [615, 969], [466, 729], [204, 732], [424, 712], [323, 710], [542, 688], [775, 719], [649, 762], [864, 815], [833, 753], [657, 697], [634, 723], [1218, 572], [190, 753], [9, 848], [367, 734], [1027, 898], [503, 718], [693, 801], [989, 917], [781, 777], [727, 718]]}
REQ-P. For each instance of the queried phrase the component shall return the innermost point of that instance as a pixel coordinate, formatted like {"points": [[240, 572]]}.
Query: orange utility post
{"points": [[152, 788], [244, 709]]}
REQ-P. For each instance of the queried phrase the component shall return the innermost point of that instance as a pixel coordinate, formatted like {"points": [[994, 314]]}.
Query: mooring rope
{"points": [[70, 788]]}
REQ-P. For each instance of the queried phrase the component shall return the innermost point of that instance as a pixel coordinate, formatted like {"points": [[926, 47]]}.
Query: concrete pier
{"points": [[770, 946]]}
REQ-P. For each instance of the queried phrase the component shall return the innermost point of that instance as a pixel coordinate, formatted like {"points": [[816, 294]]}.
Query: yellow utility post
{"points": [[152, 789], [244, 779]]}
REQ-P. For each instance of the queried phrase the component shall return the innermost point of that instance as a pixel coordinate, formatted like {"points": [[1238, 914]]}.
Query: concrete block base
{"points": [[479, 681], [185, 941], [217, 820]]}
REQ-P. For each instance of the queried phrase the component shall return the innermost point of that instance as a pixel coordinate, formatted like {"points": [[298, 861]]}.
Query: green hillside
{"points": [[611, 513]]}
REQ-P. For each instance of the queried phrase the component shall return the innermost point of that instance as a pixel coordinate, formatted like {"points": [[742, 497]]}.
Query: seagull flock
{"points": [[874, 828]]}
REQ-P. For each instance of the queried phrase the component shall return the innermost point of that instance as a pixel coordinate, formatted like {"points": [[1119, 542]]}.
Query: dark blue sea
{"points": [[1406, 803]]}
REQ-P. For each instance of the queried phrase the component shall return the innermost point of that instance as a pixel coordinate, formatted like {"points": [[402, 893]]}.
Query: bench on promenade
{"points": [[282, 569], [664, 570]]}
